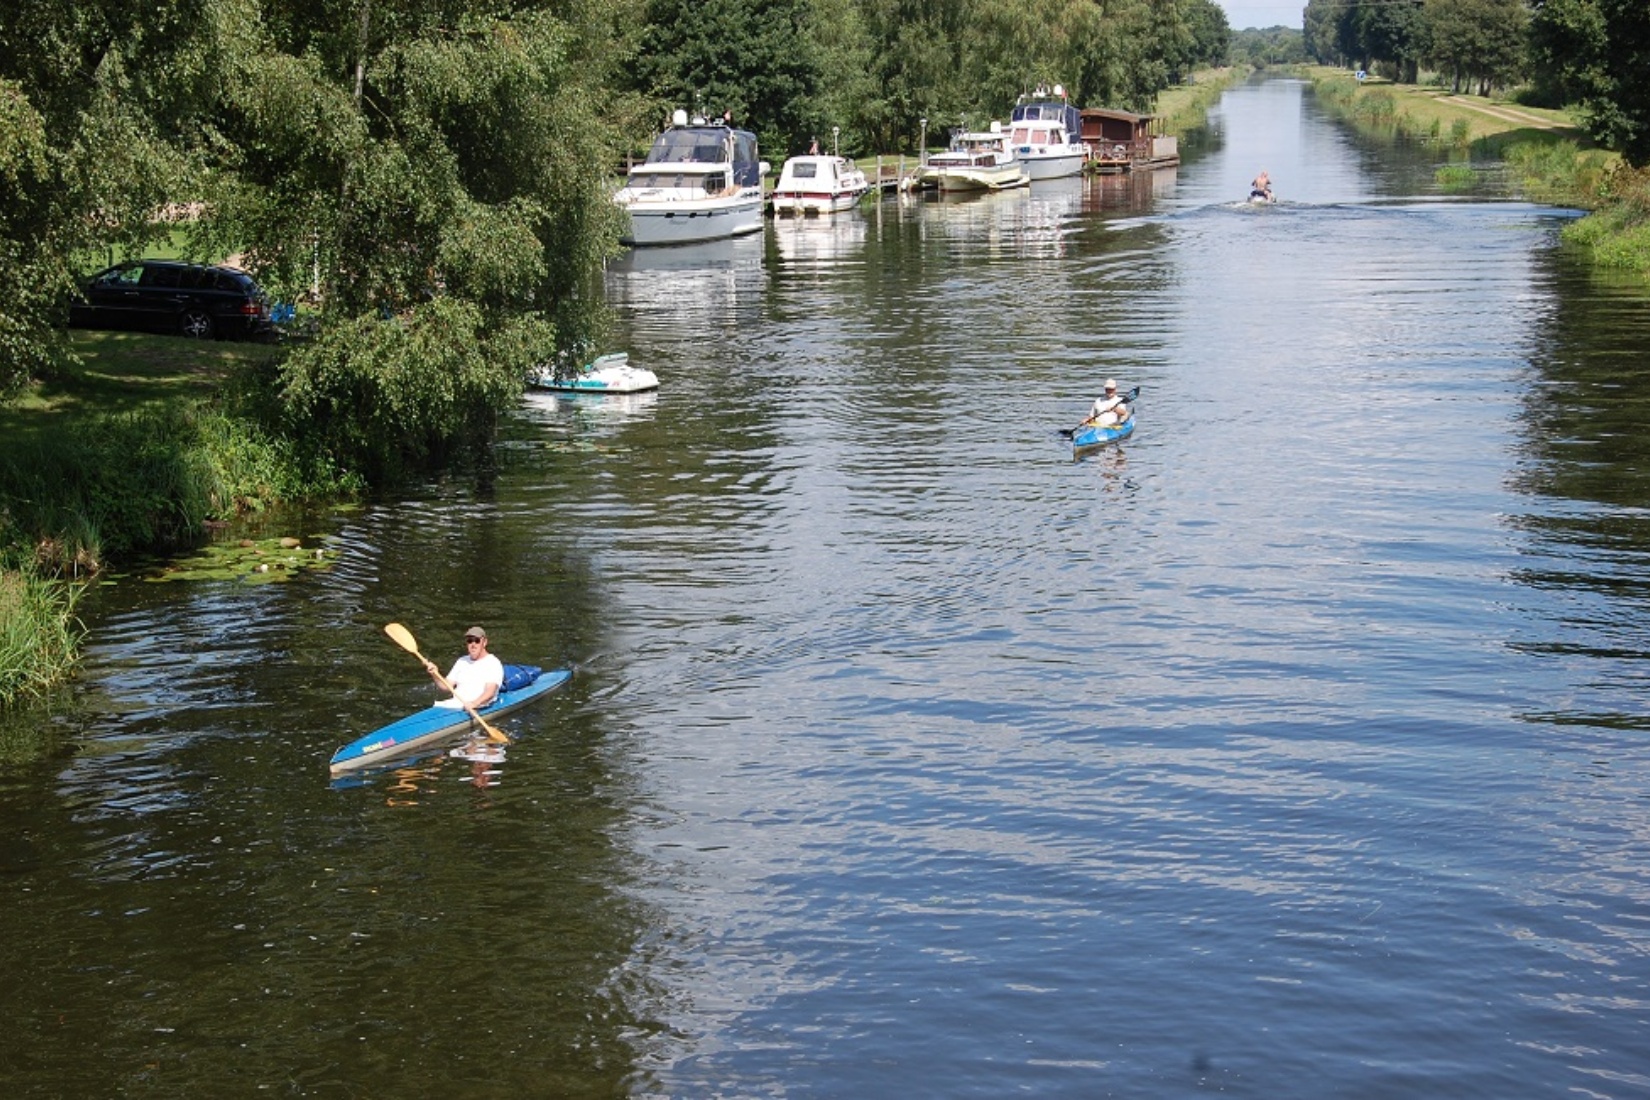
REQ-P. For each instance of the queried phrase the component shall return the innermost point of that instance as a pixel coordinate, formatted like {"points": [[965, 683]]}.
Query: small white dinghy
{"points": [[611, 373]]}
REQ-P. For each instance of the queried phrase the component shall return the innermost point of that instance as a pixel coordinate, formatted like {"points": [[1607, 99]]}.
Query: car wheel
{"points": [[195, 323]]}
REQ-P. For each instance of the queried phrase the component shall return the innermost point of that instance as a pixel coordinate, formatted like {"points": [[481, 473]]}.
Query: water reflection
{"points": [[821, 241], [698, 283]]}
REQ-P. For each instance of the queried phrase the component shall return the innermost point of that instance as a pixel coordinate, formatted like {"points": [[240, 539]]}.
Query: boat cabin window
{"points": [[806, 170], [682, 146], [716, 181]]}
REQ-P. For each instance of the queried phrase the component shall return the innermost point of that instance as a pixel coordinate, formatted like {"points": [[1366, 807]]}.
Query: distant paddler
{"points": [[1110, 408], [1260, 188]]}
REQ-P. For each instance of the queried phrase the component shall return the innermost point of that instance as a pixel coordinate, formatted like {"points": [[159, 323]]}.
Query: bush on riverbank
{"points": [[1617, 233], [132, 449]]}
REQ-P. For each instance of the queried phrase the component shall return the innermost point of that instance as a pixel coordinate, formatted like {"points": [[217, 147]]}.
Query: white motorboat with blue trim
{"points": [[1045, 133], [702, 181]]}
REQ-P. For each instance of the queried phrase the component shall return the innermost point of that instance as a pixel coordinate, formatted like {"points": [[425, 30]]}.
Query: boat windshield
{"points": [[682, 146]]}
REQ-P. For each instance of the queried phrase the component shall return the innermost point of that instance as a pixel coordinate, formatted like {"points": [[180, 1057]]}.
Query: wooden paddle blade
{"points": [[401, 636]]}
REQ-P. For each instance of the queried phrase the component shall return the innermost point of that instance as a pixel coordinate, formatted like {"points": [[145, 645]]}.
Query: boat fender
{"points": [[517, 677]]}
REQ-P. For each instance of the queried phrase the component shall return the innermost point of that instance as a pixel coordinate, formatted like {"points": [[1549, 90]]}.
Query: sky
{"points": [[1242, 14]]}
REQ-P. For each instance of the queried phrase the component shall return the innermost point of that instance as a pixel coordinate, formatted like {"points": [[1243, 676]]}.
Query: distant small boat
{"points": [[1089, 435], [610, 373], [976, 162], [1098, 435], [815, 184], [1261, 198]]}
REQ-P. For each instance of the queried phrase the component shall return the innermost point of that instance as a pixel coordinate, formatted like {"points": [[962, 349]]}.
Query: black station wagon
{"points": [[195, 300]]}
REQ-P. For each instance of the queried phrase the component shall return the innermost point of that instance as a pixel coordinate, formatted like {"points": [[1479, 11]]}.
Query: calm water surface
{"points": [[1296, 748]]}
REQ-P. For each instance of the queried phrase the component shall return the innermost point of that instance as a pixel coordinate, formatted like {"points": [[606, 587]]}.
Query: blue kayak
{"points": [[435, 724], [1095, 435]]}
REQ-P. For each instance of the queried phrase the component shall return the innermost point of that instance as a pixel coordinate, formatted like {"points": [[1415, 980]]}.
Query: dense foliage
{"points": [[1593, 53], [1260, 47], [1597, 53]]}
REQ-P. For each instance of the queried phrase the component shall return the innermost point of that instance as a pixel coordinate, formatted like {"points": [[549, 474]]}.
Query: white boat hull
{"points": [[1053, 166], [684, 221], [982, 178], [816, 204], [607, 374]]}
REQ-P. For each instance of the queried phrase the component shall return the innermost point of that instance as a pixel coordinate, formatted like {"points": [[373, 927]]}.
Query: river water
{"points": [[1295, 748]]}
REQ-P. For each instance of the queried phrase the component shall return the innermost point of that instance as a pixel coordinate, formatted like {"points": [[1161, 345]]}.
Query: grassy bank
{"points": [[132, 451], [1185, 107], [1547, 157]]}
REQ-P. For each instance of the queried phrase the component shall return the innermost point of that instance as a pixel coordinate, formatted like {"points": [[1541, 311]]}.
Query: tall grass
{"points": [[106, 487], [1560, 172], [39, 633], [1618, 232]]}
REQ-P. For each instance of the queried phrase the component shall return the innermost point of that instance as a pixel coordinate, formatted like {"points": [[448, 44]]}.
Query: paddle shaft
{"points": [[402, 637]]}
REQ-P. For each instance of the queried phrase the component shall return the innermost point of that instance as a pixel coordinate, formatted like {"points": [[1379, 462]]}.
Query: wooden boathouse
{"points": [[1122, 141]]}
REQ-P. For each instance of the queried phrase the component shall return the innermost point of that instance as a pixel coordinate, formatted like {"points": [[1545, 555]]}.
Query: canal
{"points": [[1295, 747]]}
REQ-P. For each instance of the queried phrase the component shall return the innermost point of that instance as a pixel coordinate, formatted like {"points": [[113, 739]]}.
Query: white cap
{"points": [[1111, 383]]}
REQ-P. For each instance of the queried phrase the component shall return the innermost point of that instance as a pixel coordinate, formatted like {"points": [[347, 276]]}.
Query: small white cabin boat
{"points": [[977, 162], [701, 182], [815, 184]]}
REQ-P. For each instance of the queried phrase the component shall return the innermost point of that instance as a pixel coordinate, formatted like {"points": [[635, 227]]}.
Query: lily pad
{"points": [[254, 561]]}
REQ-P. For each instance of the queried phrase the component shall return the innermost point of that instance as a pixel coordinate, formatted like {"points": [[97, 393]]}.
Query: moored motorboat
{"points": [[814, 184], [611, 373], [978, 161], [433, 725], [1044, 133], [702, 181]]}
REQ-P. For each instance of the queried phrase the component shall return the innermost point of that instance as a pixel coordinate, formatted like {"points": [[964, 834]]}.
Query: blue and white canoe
{"points": [[432, 725], [1098, 435], [611, 373], [1088, 435]]}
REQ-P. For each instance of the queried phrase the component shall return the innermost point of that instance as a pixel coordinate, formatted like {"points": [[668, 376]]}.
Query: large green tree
{"points": [[1477, 42], [1597, 53], [753, 59], [430, 174]]}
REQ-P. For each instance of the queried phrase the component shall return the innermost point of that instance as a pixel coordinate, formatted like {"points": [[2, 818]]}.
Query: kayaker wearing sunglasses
{"points": [[476, 677]]}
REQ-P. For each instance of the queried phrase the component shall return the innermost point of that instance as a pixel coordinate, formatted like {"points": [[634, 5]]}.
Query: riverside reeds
{"points": [[105, 487], [39, 633]]}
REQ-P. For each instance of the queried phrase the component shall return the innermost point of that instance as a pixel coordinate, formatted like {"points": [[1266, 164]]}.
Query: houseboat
{"points": [[1122, 141]]}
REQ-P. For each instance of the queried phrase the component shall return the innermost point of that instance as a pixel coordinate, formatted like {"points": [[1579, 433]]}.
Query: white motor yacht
{"points": [[702, 181]]}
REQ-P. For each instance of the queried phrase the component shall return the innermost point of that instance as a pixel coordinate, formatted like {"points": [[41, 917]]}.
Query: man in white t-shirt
{"points": [[476, 677], [1109, 409]]}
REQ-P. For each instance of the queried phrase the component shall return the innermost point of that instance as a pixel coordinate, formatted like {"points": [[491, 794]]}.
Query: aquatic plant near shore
{"points": [[39, 633]]}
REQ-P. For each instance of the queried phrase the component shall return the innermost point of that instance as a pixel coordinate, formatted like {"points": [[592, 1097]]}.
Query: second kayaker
{"points": [[476, 677]]}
